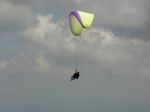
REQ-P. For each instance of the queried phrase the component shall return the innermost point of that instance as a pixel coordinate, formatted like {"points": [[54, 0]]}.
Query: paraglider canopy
{"points": [[79, 20]]}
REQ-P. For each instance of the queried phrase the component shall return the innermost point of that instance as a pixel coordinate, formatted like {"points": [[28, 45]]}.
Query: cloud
{"points": [[50, 45], [14, 18], [37, 59], [122, 17]]}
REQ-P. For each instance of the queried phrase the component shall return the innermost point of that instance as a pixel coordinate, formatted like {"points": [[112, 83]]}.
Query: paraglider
{"points": [[78, 21]]}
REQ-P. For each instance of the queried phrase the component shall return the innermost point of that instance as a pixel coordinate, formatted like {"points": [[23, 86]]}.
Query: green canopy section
{"points": [[86, 18]]}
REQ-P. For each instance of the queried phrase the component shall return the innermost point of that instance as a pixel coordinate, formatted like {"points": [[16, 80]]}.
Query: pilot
{"points": [[75, 76]]}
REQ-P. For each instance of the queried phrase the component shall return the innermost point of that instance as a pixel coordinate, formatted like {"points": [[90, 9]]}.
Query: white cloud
{"points": [[96, 47], [50, 46]]}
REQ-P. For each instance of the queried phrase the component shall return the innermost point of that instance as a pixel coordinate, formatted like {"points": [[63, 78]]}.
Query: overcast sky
{"points": [[38, 55]]}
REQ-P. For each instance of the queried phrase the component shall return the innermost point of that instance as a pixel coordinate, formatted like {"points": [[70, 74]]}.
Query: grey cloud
{"points": [[36, 63], [129, 18], [14, 18], [57, 7], [124, 17]]}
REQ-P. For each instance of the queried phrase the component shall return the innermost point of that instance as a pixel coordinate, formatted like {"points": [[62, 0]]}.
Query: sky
{"points": [[38, 55]]}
